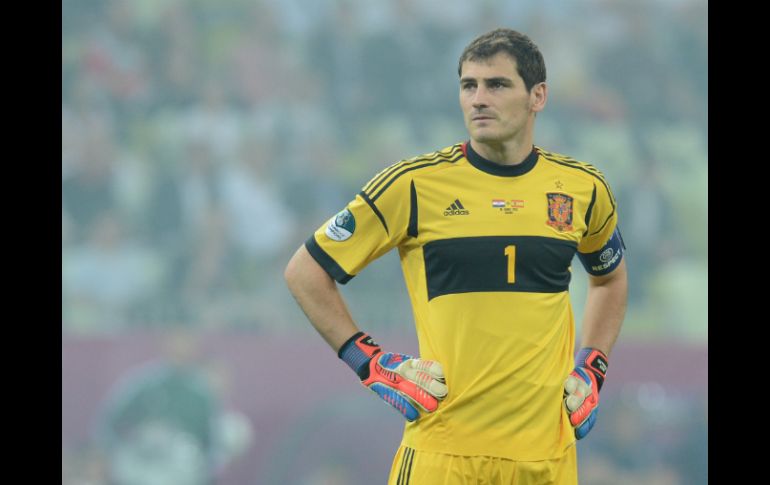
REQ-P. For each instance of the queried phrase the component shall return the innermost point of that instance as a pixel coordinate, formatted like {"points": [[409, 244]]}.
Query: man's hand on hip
{"points": [[408, 384]]}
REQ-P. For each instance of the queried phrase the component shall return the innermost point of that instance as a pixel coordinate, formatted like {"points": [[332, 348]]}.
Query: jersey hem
{"points": [[429, 449]]}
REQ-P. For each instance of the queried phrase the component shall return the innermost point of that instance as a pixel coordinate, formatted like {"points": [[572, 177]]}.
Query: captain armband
{"points": [[606, 259]]}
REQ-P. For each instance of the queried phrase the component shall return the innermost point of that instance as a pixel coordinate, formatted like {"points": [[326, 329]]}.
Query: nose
{"points": [[479, 99]]}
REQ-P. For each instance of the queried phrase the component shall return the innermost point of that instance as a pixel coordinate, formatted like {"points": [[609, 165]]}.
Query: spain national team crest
{"points": [[559, 211]]}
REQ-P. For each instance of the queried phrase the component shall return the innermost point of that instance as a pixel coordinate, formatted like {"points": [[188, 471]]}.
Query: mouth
{"points": [[481, 118]]}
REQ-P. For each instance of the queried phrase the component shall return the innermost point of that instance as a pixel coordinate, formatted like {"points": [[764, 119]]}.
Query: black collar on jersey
{"points": [[502, 170]]}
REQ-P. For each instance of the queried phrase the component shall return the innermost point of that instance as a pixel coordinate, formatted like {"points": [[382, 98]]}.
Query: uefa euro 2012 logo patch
{"points": [[341, 226], [559, 211]]}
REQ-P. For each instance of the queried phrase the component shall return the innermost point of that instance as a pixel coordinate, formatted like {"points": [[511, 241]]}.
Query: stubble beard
{"points": [[487, 136]]}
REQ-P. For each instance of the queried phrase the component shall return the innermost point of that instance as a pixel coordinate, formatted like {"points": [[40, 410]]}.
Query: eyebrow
{"points": [[500, 79]]}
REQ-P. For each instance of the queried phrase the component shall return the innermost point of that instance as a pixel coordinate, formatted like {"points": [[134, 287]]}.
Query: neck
{"points": [[511, 152]]}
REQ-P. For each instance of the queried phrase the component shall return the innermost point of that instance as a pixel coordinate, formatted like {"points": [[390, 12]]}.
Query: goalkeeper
{"points": [[486, 230]]}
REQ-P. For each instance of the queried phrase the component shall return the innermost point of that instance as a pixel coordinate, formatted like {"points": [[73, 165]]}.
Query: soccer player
{"points": [[486, 231]]}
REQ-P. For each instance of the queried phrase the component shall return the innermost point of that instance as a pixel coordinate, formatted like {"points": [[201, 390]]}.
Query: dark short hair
{"points": [[529, 60]]}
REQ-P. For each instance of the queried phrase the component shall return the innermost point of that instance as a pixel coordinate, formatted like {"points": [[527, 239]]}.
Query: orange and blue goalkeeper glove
{"points": [[410, 385], [581, 390]]}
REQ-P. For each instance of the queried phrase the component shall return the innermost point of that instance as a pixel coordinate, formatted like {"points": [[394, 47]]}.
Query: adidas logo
{"points": [[456, 209]]}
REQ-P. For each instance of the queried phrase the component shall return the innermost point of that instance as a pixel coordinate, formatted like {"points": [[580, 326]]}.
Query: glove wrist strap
{"points": [[595, 361], [357, 351]]}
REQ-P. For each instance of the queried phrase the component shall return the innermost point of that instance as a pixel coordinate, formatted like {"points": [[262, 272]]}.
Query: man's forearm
{"points": [[605, 309], [318, 296]]}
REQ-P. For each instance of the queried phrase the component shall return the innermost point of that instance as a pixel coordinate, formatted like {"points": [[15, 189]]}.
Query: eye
{"points": [[467, 86], [496, 85]]}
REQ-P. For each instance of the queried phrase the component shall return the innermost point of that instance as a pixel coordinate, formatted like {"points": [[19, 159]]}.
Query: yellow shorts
{"points": [[412, 467]]}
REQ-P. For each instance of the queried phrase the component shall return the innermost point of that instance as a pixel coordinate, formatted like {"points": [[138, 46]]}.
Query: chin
{"points": [[482, 136]]}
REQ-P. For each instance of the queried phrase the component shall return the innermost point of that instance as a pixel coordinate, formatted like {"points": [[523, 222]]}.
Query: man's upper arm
{"points": [[601, 249], [373, 223], [619, 272]]}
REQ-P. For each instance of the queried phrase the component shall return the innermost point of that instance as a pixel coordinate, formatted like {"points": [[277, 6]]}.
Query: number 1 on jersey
{"points": [[510, 252]]}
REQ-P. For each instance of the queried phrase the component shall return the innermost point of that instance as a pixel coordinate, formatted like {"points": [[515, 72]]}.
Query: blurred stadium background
{"points": [[204, 140]]}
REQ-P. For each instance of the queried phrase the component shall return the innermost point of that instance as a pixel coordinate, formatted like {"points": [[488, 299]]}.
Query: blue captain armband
{"points": [[605, 260]]}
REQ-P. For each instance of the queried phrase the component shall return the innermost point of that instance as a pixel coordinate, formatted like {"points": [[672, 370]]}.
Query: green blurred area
{"points": [[203, 142]]}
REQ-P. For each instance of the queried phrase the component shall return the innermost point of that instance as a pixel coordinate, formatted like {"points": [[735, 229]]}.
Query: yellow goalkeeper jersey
{"points": [[486, 252]]}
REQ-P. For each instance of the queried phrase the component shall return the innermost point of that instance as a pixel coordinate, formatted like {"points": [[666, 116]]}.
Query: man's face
{"points": [[496, 104]]}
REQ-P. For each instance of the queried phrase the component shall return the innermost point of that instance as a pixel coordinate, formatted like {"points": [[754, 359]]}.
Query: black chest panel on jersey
{"points": [[498, 263]]}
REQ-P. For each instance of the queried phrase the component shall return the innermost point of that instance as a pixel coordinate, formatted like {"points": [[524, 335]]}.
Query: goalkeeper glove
{"points": [[581, 390], [406, 383]]}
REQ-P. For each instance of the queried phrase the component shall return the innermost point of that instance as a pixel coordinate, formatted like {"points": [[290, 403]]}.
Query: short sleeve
{"points": [[602, 217], [372, 224], [602, 247]]}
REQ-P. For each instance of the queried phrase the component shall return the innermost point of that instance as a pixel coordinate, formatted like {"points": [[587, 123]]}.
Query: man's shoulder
{"points": [[430, 162], [440, 157], [571, 164], [404, 171], [445, 152]]}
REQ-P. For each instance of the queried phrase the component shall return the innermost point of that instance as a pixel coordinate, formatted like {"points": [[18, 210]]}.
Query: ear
{"points": [[538, 96]]}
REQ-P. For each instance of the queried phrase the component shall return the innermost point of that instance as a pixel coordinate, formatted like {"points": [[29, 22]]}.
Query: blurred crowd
{"points": [[204, 140]]}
